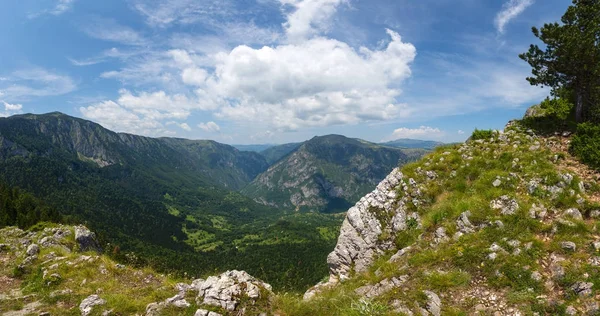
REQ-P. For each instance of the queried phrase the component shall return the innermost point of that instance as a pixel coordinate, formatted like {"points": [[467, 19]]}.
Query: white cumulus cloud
{"points": [[210, 127], [10, 109], [319, 82], [510, 10]]}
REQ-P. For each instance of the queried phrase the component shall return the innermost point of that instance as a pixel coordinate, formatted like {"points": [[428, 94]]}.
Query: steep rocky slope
{"points": [[326, 173], [502, 226]]}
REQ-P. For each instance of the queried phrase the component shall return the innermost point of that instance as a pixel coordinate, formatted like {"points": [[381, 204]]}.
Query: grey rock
{"points": [[596, 245], [227, 289], [33, 250], [574, 213], [203, 312], [595, 214], [505, 204], [497, 183], [571, 311], [88, 304], [533, 185], [400, 308], [538, 212], [583, 288], [434, 304], [567, 178], [386, 285], [86, 239], [568, 245], [463, 224], [154, 309], [359, 242], [440, 235], [399, 254], [536, 276]]}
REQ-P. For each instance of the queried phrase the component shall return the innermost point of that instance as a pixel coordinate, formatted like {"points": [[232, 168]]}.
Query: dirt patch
{"points": [[7, 284]]}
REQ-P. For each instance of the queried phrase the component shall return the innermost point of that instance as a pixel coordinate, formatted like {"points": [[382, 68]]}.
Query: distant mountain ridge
{"points": [[327, 173], [412, 143]]}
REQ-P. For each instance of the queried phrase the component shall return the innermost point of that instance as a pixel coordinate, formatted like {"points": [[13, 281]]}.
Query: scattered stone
{"points": [[536, 276], [595, 214], [119, 266], [86, 239], [492, 256], [568, 245], [440, 235], [399, 254], [567, 178], [386, 285], [533, 185], [596, 245], [88, 304], [497, 183], [507, 205], [571, 311], [463, 224], [431, 175], [434, 304], [400, 308], [574, 213], [582, 288], [33, 250], [538, 212], [203, 312]]}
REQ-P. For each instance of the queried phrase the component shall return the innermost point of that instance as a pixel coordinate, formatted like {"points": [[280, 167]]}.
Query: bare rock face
{"points": [[227, 289], [377, 214], [86, 239], [359, 237]]}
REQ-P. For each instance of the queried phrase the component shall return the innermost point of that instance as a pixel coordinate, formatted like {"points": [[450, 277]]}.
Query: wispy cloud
{"points": [[59, 8], [105, 56], [35, 82], [510, 10], [164, 13], [111, 30]]}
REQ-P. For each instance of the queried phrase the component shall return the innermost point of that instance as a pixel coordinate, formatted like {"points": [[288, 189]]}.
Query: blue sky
{"points": [[273, 71]]}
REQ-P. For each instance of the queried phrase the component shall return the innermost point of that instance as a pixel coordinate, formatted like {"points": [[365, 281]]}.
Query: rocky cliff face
{"points": [[370, 227]]}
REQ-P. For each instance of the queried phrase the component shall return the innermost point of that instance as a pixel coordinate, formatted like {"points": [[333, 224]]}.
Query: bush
{"points": [[482, 134], [560, 109], [586, 144]]}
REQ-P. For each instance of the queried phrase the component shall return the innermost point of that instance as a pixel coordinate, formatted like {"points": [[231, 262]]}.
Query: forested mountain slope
{"points": [[327, 173]]}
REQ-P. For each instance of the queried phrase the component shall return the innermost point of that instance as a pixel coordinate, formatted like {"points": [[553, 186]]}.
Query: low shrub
{"points": [[586, 144], [482, 134]]}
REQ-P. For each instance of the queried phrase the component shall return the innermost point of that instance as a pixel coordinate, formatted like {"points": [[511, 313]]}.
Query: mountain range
{"points": [[196, 203]]}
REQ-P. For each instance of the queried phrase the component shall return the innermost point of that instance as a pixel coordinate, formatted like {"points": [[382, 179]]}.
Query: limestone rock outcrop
{"points": [[86, 239], [369, 226], [227, 289]]}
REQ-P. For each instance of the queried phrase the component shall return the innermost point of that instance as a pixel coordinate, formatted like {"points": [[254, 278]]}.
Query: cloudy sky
{"points": [[273, 71]]}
